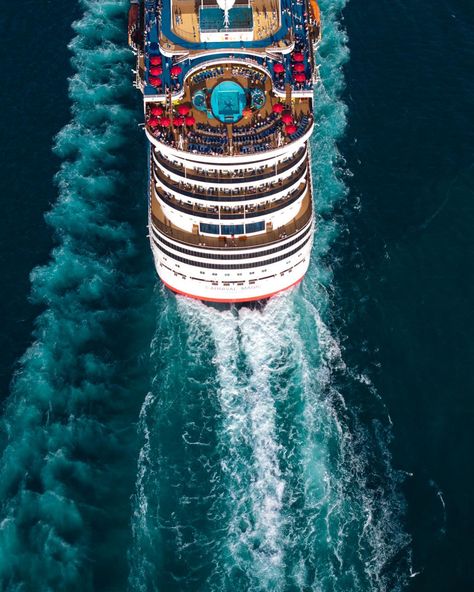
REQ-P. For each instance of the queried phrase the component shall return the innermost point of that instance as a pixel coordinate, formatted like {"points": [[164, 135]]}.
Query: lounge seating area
{"points": [[207, 74]]}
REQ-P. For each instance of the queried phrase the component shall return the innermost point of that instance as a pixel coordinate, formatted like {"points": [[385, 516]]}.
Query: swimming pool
{"points": [[228, 100]]}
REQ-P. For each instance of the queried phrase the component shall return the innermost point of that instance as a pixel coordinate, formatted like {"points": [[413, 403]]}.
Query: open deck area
{"points": [[231, 109], [185, 19]]}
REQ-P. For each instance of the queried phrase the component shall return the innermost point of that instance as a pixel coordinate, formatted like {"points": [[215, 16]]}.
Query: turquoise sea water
{"points": [[320, 443]]}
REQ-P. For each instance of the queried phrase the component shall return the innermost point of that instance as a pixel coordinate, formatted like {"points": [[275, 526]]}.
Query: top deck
{"points": [[197, 22]]}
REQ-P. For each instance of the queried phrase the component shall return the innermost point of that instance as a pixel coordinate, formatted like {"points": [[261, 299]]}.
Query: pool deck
{"points": [[280, 27]]}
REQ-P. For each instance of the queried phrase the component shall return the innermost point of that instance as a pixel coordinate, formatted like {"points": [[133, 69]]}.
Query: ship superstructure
{"points": [[228, 107]]}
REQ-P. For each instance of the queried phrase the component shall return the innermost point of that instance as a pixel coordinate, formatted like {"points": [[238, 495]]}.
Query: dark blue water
{"points": [[152, 443]]}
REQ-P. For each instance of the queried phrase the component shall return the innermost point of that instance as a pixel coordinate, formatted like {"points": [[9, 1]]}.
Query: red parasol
{"points": [[277, 108], [287, 117], [247, 112], [183, 109], [175, 70], [298, 56], [155, 60], [165, 121], [300, 77], [290, 129], [154, 81], [299, 67], [156, 70], [156, 110], [279, 68], [190, 120], [177, 121], [153, 121]]}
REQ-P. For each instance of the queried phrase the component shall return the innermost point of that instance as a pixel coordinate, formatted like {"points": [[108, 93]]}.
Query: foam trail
{"points": [[63, 493], [250, 448]]}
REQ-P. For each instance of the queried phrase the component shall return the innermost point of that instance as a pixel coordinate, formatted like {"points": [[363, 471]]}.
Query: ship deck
{"points": [[185, 19]]}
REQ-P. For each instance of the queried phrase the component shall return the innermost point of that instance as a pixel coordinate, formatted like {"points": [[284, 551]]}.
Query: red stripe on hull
{"points": [[234, 300]]}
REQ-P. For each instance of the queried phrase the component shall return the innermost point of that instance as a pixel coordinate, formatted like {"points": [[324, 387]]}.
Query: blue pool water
{"points": [[228, 100]]}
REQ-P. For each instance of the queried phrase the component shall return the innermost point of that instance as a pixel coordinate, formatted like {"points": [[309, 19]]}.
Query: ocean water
{"points": [[153, 443]]}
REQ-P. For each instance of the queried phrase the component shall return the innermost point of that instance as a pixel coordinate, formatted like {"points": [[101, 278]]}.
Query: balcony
{"points": [[301, 220], [226, 176], [231, 195]]}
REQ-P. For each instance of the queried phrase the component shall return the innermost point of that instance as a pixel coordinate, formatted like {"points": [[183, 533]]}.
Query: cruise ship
{"points": [[228, 114]]}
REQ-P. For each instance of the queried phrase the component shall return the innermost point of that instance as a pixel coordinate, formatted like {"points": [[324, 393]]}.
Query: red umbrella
{"points": [[247, 112], [178, 121], [153, 121], [298, 56], [165, 121], [156, 70], [183, 109], [190, 120], [299, 67], [300, 77], [175, 70], [279, 68], [290, 129], [156, 110], [277, 108], [155, 60], [287, 117], [154, 81]]}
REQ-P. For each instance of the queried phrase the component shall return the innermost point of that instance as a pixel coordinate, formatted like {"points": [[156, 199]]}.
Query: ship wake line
{"points": [[260, 467], [66, 429]]}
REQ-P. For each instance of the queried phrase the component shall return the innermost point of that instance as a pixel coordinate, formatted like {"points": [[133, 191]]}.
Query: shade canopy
{"points": [[155, 81], [298, 67], [178, 121], [290, 129], [190, 120], [153, 121], [176, 70], [247, 112], [279, 68], [287, 117], [156, 110], [299, 77], [165, 122], [183, 109], [277, 108], [156, 70], [155, 60], [298, 56]]}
